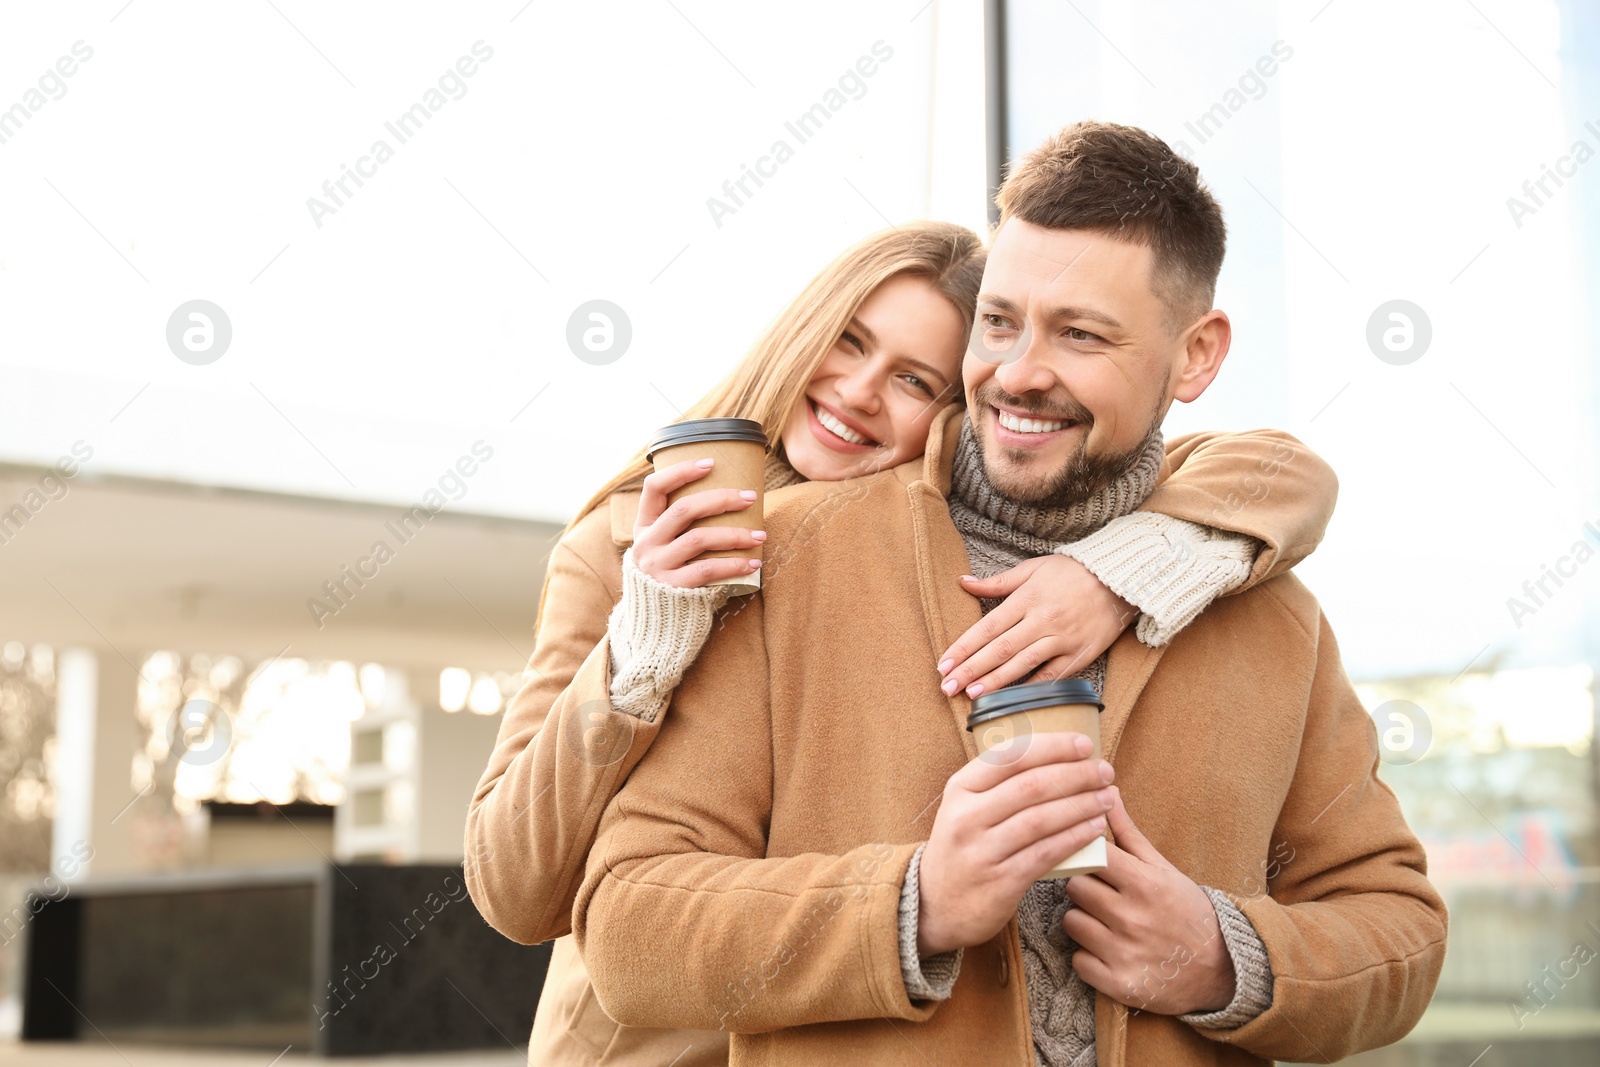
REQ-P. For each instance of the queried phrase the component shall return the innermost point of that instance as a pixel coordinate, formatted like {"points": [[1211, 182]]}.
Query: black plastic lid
{"points": [[694, 431], [1015, 698]]}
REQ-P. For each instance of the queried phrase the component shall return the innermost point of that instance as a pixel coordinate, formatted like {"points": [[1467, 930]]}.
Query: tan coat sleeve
{"points": [[681, 920], [560, 753], [1263, 483], [1354, 930]]}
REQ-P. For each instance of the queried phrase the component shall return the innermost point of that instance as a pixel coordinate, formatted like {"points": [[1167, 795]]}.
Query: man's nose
{"points": [[1029, 372]]}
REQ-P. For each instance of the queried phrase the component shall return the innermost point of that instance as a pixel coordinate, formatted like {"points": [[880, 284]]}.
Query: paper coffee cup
{"points": [[739, 447], [1068, 705]]}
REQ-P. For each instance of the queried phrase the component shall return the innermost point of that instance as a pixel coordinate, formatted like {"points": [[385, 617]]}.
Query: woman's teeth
{"points": [[837, 427], [1021, 425]]}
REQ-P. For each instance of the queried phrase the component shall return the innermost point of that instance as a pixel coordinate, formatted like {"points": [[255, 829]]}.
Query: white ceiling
{"points": [[143, 565]]}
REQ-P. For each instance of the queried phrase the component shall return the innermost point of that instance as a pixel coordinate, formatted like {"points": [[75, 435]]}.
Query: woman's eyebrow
{"points": [[861, 328], [928, 370], [857, 326]]}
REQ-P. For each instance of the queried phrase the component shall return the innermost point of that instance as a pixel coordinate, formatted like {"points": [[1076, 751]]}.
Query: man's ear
{"points": [[1203, 352]]}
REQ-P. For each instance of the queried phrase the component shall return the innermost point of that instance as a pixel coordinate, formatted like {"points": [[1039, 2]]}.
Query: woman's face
{"points": [[869, 404]]}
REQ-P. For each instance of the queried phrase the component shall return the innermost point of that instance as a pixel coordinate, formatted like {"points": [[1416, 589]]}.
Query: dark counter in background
{"points": [[355, 959]]}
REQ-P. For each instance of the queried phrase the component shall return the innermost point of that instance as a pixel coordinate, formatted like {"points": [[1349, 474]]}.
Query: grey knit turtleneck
{"points": [[1001, 533]]}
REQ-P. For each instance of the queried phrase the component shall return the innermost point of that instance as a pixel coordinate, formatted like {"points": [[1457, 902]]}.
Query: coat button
{"points": [[1005, 968]]}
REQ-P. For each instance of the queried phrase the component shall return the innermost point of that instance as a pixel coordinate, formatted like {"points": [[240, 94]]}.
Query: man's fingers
{"points": [[1097, 975], [1033, 861], [1093, 893], [1128, 837], [1024, 831], [1090, 932], [989, 769], [657, 486]]}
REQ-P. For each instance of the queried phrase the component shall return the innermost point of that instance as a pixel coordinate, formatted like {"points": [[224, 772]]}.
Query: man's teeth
{"points": [[827, 419], [1021, 425]]}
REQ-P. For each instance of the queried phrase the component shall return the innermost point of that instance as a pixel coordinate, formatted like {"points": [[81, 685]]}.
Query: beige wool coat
{"points": [[562, 753], [748, 872]]}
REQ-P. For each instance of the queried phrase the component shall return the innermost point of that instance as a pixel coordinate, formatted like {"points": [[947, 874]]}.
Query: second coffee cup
{"points": [[739, 447], [1018, 711]]}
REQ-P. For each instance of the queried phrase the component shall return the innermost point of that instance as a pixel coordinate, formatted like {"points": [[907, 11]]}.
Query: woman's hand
{"points": [[663, 543], [1055, 613]]}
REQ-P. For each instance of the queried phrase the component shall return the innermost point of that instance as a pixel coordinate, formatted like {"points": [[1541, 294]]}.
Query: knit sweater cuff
{"points": [[1252, 970], [1168, 568], [931, 977], [656, 630]]}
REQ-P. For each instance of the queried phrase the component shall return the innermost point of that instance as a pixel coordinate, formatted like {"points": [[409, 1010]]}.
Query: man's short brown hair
{"points": [[1127, 184]]}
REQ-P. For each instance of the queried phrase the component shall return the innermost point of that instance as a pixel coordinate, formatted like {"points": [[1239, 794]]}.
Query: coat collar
{"points": [[624, 511]]}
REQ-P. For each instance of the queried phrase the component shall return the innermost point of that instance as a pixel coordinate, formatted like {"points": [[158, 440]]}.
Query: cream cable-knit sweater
{"points": [[657, 630]]}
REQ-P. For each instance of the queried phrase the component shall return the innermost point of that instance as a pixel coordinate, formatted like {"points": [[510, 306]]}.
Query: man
{"points": [[812, 856]]}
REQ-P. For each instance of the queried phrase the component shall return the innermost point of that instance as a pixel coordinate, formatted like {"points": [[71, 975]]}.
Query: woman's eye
{"points": [[920, 384], [851, 339]]}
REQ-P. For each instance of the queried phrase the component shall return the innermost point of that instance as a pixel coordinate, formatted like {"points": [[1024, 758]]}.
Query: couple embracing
{"points": [[786, 847]]}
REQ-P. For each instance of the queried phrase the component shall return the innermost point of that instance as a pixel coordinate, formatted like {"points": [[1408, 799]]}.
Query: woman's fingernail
{"points": [[748, 494], [704, 464], [759, 535], [950, 686], [945, 665], [754, 564], [975, 691], [968, 578]]}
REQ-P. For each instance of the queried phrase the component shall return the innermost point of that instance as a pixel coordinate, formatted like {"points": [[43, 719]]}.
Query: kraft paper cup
{"points": [[740, 448], [1069, 705]]}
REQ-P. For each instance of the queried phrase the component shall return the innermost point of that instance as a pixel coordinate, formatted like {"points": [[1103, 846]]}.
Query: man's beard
{"points": [[1082, 476]]}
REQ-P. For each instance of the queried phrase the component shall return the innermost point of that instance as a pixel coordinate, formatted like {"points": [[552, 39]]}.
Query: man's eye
{"points": [[1080, 335], [995, 322]]}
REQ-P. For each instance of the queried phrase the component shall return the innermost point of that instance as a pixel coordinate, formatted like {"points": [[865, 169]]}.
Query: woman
{"points": [[846, 382]]}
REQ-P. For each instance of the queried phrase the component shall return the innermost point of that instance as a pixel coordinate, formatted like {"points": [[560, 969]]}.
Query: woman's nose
{"points": [[860, 390]]}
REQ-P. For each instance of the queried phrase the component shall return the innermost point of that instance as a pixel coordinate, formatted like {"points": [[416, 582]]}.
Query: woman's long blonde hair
{"points": [[769, 381]]}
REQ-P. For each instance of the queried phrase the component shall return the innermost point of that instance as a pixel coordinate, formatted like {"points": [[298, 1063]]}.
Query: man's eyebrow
{"points": [[1065, 311]]}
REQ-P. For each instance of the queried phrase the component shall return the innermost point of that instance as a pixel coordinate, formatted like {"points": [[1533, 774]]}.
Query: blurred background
{"points": [[244, 345]]}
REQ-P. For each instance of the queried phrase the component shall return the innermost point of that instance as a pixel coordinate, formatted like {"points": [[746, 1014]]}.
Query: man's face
{"points": [[1071, 366]]}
